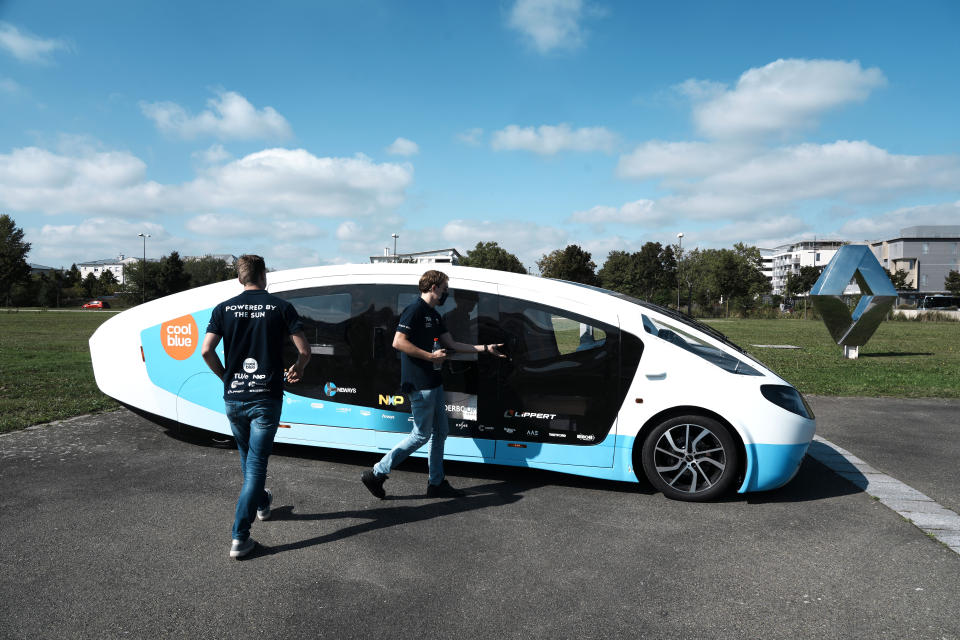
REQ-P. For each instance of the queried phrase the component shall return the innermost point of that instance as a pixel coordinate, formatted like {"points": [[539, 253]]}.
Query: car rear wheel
{"points": [[692, 458]]}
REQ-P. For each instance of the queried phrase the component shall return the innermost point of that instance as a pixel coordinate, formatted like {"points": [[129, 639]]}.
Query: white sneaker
{"points": [[264, 513], [239, 549]]}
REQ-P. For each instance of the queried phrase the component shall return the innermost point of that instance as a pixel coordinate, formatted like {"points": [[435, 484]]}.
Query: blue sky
{"points": [[309, 132]]}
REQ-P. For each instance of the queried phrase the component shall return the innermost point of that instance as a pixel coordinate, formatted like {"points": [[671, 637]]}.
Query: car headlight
{"points": [[788, 398]]}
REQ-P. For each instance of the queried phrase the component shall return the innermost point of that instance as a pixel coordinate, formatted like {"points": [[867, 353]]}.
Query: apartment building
{"points": [[926, 253]]}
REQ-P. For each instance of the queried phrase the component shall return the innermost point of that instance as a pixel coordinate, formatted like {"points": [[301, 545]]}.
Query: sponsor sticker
{"points": [[179, 337], [513, 413], [390, 401]]}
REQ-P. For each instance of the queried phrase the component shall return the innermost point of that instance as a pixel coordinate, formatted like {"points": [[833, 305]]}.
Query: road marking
{"points": [[933, 519]]}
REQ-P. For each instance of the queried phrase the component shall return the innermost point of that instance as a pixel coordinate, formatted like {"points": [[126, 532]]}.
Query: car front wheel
{"points": [[691, 458]]}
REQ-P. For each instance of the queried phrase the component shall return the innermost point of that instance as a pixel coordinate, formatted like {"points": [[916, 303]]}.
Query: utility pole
{"points": [[143, 268], [679, 253], [394, 236]]}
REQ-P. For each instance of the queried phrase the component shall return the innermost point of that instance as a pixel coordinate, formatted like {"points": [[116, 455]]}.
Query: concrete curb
{"points": [[930, 517]]}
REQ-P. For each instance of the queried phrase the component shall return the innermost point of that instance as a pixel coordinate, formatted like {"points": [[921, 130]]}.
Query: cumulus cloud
{"points": [[637, 212], [549, 25], [471, 136], [527, 240], [93, 239], [10, 87], [403, 147], [548, 140], [656, 159], [273, 181], [230, 116], [27, 47], [889, 224], [240, 226], [781, 96], [215, 154]]}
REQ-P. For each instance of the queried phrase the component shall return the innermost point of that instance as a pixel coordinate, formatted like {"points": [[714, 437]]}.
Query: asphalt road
{"points": [[111, 527]]}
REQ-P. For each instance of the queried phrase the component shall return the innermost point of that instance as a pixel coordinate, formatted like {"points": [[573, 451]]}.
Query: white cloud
{"points": [[296, 182], [526, 240], [549, 24], [93, 239], [269, 182], [471, 136], [27, 47], [888, 225], [766, 232], [215, 154], [656, 159], [230, 116], [547, 139], [403, 147], [239, 226], [10, 87], [637, 212], [781, 96]]}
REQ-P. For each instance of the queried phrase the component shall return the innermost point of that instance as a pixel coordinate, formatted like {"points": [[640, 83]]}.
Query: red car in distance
{"points": [[97, 304]]}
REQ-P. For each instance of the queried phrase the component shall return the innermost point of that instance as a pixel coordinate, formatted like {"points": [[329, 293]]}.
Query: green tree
{"points": [[91, 286], [572, 263], [106, 283], [899, 279], [208, 270], [13, 257], [952, 282], [171, 277], [619, 273], [140, 280], [489, 255]]}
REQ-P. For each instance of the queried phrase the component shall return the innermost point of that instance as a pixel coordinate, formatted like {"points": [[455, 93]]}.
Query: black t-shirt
{"points": [[254, 327], [421, 324]]}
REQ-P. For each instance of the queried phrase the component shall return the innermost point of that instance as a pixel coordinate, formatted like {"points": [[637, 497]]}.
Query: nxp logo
{"points": [[392, 401]]}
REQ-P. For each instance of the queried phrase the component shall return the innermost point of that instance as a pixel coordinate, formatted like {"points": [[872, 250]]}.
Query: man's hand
{"points": [[493, 350], [294, 374], [437, 356]]}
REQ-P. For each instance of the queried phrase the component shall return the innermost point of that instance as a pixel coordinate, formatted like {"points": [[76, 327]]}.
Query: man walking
{"points": [[419, 335], [254, 326]]}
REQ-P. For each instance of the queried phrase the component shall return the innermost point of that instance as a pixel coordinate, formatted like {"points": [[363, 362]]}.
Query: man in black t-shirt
{"points": [[254, 327], [423, 340]]}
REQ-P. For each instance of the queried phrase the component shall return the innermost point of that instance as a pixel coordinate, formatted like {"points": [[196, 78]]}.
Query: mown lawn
{"points": [[902, 359], [45, 371]]}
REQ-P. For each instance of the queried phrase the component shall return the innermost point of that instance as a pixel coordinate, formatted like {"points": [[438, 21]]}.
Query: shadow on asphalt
{"points": [[478, 497], [814, 481]]}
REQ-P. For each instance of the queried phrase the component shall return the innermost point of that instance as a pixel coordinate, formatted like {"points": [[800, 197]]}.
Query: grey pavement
{"points": [[113, 527]]}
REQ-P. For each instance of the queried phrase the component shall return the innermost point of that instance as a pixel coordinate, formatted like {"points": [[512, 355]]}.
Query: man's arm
{"points": [[209, 353], [295, 373], [402, 343], [448, 342]]}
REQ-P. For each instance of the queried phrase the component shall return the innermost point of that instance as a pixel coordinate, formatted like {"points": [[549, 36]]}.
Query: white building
{"points": [[789, 258], [228, 258], [438, 256], [97, 267]]}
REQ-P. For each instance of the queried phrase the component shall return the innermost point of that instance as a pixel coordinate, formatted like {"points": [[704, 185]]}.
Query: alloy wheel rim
{"points": [[689, 458]]}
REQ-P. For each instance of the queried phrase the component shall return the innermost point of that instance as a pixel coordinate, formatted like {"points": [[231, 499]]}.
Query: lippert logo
{"points": [[513, 413]]}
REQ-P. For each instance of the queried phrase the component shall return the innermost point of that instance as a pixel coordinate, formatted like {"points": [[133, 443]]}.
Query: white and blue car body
{"points": [[595, 383]]}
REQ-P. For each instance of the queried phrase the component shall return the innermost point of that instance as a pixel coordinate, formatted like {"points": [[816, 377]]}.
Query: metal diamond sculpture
{"points": [[853, 330]]}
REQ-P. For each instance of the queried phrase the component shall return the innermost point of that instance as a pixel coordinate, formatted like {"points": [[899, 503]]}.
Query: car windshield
{"points": [[676, 316]]}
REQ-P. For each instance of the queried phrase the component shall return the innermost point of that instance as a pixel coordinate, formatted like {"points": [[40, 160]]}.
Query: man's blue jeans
{"points": [[429, 424], [254, 425]]}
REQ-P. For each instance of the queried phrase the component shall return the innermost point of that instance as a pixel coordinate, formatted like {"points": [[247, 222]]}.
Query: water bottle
{"points": [[436, 347]]}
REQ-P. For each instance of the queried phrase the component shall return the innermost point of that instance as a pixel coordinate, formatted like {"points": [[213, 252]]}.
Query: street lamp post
{"points": [[143, 268], [679, 254], [394, 236]]}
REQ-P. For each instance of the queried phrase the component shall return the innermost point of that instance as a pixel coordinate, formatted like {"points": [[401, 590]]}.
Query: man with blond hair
{"points": [[254, 326], [419, 330]]}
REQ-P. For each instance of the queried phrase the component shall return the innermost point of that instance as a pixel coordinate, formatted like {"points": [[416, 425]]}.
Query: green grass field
{"points": [[902, 359], [45, 371]]}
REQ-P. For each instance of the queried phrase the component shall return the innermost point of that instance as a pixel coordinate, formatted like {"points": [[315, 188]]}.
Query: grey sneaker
{"points": [[374, 483], [239, 549], [263, 513], [444, 490]]}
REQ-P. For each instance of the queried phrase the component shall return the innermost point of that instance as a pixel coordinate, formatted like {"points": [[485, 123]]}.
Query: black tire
{"points": [[691, 458]]}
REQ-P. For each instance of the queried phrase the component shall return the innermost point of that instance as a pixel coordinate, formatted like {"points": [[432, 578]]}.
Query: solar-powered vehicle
{"points": [[596, 383]]}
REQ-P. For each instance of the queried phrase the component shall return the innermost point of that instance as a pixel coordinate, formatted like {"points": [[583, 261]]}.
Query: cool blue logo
{"points": [[330, 389]]}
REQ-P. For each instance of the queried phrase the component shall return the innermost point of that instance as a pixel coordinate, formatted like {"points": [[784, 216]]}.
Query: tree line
{"points": [[705, 281]]}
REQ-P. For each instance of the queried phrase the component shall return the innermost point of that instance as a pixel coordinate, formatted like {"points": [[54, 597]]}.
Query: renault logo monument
{"points": [[851, 331]]}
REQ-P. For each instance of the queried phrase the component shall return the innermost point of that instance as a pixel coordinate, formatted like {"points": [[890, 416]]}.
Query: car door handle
{"points": [[657, 376]]}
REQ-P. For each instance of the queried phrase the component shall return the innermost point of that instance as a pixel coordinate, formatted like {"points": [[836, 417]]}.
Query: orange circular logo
{"points": [[180, 337]]}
